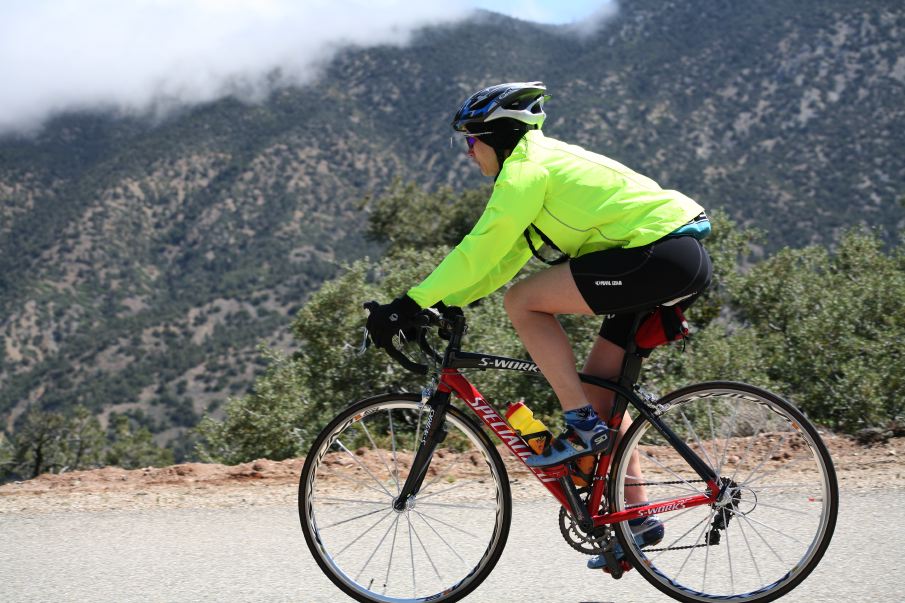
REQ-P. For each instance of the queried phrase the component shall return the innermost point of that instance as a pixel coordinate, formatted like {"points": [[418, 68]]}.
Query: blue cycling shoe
{"points": [[647, 533], [570, 445]]}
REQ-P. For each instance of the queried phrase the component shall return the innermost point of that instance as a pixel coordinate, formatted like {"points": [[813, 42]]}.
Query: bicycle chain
{"points": [[672, 483], [675, 548]]}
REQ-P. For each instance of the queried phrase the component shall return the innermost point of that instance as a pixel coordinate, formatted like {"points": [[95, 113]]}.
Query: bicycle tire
{"points": [[788, 494], [444, 536]]}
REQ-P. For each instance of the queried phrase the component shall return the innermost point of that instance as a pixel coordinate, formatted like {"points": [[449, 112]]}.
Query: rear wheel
{"points": [[449, 536], [775, 518]]}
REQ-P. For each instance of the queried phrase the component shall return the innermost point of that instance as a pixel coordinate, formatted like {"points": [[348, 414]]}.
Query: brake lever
{"points": [[365, 342]]}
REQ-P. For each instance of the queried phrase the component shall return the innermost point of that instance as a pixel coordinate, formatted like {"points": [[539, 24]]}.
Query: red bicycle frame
{"points": [[554, 478]]}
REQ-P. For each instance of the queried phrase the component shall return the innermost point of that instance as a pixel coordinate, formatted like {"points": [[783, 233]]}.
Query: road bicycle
{"points": [[404, 497]]}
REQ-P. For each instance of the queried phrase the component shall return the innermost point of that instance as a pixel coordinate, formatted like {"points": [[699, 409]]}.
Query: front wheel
{"points": [[776, 512], [448, 537]]}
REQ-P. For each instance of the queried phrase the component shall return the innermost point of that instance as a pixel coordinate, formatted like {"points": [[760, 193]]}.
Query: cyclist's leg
{"points": [[621, 282], [605, 361], [618, 280], [532, 304]]}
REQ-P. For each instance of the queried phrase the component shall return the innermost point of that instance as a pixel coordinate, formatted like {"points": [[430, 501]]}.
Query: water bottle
{"points": [[532, 430], [536, 435]]}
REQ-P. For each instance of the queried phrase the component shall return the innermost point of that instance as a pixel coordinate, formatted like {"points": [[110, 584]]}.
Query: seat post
{"points": [[631, 362]]}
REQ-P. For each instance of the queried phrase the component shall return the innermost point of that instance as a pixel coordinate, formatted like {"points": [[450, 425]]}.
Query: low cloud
{"points": [[63, 55], [146, 56]]}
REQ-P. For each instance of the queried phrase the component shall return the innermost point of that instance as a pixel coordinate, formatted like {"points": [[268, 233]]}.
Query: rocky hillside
{"points": [[141, 263]]}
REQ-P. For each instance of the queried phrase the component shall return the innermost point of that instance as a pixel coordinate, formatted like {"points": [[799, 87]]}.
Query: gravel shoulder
{"points": [[275, 483]]}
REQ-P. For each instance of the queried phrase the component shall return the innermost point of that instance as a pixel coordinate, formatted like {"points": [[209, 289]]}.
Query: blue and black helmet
{"points": [[521, 101]]}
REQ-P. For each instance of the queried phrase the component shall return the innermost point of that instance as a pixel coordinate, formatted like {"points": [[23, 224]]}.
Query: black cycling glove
{"points": [[450, 313], [386, 320]]}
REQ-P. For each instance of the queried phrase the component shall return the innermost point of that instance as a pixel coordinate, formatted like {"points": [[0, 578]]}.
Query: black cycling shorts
{"points": [[620, 283]]}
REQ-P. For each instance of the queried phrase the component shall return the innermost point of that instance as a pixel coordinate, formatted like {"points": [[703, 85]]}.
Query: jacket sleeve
{"points": [[495, 249], [498, 276]]}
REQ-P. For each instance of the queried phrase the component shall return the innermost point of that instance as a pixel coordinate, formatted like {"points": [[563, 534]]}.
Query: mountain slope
{"points": [[141, 263]]}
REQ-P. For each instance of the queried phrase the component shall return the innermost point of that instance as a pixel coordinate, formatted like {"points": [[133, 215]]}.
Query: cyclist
{"points": [[626, 245]]}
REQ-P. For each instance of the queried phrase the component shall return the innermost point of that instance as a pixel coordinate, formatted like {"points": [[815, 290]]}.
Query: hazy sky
{"points": [[141, 56], [547, 11]]}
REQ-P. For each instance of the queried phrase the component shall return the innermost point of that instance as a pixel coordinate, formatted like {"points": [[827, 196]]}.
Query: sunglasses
{"points": [[470, 139]]}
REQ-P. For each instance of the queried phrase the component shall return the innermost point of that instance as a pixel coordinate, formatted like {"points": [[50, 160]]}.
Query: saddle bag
{"points": [[664, 325]]}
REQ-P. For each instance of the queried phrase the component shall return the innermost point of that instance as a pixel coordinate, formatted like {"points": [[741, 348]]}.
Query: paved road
{"points": [[259, 554]]}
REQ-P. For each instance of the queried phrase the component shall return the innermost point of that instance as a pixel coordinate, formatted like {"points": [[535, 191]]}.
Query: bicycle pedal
{"points": [[613, 567], [622, 566]]}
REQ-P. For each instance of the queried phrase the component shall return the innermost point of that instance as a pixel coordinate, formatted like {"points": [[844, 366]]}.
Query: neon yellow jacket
{"points": [[581, 201]]}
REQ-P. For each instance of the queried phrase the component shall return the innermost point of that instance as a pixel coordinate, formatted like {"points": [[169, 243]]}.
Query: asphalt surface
{"points": [[259, 554]]}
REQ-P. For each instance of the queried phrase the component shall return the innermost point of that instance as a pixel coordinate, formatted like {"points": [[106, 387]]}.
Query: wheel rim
{"points": [[439, 543], [778, 496]]}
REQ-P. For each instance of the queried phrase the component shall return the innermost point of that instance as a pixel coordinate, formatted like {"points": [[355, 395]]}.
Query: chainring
{"points": [[589, 544]]}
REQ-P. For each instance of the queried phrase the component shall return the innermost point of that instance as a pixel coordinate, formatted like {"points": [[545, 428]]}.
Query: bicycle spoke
{"points": [[729, 433], [729, 556], [379, 454], [350, 500], [358, 483], [706, 564], [761, 503], [412, 556], [677, 540], [766, 458], [697, 439], [332, 525], [782, 467], [694, 547], [780, 486], [452, 506], [761, 536], [760, 523], [386, 581], [447, 472], [376, 548], [750, 552], [668, 470], [424, 548], [449, 525], [360, 464], [360, 536], [439, 492], [744, 456], [449, 546]]}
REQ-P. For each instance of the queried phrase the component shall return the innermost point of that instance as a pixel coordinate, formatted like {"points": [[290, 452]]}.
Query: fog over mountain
{"points": [[149, 57]]}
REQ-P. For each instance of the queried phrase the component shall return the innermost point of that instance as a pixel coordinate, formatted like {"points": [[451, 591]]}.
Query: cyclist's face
{"points": [[484, 155]]}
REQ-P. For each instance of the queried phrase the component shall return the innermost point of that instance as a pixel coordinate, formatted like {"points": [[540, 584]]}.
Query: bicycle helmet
{"points": [[521, 101]]}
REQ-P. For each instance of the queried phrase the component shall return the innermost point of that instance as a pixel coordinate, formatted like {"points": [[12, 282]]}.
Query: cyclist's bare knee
{"points": [[512, 301]]}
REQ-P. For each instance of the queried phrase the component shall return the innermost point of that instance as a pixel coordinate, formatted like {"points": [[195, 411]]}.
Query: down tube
{"points": [[452, 380]]}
